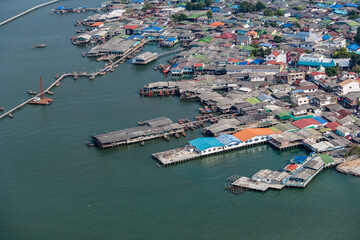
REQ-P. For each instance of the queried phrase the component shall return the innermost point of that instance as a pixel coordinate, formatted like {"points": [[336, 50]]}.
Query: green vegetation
{"points": [[353, 15], [260, 52], [279, 13], [273, 24], [298, 8], [246, 6], [209, 14], [341, 53], [269, 12], [179, 17], [195, 6], [147, 6], [357, 36], [260, 6], [331, 71], [278, 39]]}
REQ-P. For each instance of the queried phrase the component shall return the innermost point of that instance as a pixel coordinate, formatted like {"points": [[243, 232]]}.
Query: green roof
{"points": [[249, 48], [206, 39], [284, 116], [274, 129], [122, 36], [202, 57], [325, 130], [196, 15], [326, 158], [352, 24], [253, 100], [292, 19]]}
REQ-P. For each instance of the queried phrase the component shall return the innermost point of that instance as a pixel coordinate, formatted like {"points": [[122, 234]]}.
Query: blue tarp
{"points": [[205, 143], [320, 120], [353, 47], [136, 36], [300, 159], [258, 61], [317, 64], [227, 139], [286, 25], [326, 37], [152, 29], [243, 63], [60, 8], [171, 39], [351, 5]]}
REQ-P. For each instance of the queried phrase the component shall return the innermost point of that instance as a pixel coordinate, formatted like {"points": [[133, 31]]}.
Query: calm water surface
{"points": [[54, 187]]}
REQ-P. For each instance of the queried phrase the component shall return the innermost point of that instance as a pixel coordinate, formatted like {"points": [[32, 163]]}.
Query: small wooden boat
{"points": [[10, 115], [31, 92], [176, 135], [40, 45], [50, 93], [142, 143], [91, 77], [167, 138], [58, 84], [1, 108], [56, 76], [184, 134]]}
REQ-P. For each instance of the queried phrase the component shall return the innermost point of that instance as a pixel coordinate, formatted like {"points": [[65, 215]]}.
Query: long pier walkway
{"points": [[65, 75], [29, 10], [168, 53]]}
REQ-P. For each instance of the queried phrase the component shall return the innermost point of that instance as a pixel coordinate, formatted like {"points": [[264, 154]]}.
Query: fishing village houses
{"points": [[279, 73]]}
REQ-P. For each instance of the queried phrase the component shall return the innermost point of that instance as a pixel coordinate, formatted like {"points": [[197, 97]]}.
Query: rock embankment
{"points": [[350, 167]]}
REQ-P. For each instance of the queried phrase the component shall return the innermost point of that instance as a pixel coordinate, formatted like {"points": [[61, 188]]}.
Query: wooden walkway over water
{"points": [[66, 75], [28, 11]]}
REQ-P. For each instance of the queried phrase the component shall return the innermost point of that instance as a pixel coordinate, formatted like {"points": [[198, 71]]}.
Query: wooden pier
{"points": [[103, 71], [28, 11]]}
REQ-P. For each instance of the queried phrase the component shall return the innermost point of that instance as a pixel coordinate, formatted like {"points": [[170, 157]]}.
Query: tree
{"points": [[296, 24], [279, 13], [278, 39], [260, 6], [297, 8], [179, 17], [268, 12], [209, 14], [246, 7], [353, 15], [357, 36], [208, 2], [273, 24], [189, 6], [341, 53], [331, 71], [147, 6]]}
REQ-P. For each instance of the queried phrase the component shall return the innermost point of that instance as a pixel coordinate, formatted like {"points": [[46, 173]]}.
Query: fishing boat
{"points": [[75, 76], [176, 135], [141, 92], [50, 93], [1, 108], [184, 134], [31, 92], [142, 143], [91, 77], [167, 138], [56, 76], [155, 68], [58, 84], [40, 45], [10, 115], [90, 144], [166, 69]]}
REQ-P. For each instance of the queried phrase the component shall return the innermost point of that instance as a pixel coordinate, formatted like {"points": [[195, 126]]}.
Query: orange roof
{"points": [[97, 24], [251, 33], [215, 24], [131, 27], [249, 133], [276, 53]]}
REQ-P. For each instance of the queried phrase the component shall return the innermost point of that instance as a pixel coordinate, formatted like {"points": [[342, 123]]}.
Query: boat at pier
{"points": [[10, 115], [41, 100], [31, 92], [1, 108], [50, 93]]}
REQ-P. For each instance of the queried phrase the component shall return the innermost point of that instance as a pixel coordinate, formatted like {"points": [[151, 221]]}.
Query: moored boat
{"points": [[31, 92]]}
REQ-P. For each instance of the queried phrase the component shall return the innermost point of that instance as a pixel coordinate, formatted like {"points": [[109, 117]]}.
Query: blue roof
{"points": [[171, 39], [317, 64], [286, 25], [227, 139], [59, 8], [351, 5], [266, 45], [353, 47], [243, 63], [136, 36], [263, 97], [300, 159], [258, 61], [326, 37], [153, 28], [205, 143], [337, 11], [320, 120]]}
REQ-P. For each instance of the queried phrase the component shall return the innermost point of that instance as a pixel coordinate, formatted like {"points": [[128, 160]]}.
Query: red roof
{"points": [[198, 64], [344, 112], [97, 24], [291, 167], [332, 125], [276, 53], [227, 35], [317, 73], [271, 62], [303, 123], [131, 27], [233, 60]]}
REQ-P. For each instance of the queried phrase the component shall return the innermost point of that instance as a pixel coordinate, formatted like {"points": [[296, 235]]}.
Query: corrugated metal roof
{"points": [[205, 143]]}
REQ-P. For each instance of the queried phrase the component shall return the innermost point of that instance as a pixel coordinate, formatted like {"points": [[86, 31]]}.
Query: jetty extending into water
{"points": [[28, 11], [109, 67]]}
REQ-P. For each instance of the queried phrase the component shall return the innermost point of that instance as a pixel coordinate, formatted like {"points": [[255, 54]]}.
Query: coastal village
{"points": [[283, 73]]}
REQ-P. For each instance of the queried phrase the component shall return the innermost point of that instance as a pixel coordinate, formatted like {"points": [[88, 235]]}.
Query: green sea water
{"points": [[54, 187]]}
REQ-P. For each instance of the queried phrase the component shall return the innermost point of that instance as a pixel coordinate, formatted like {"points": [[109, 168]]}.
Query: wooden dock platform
{"points": [[103, 71]]}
